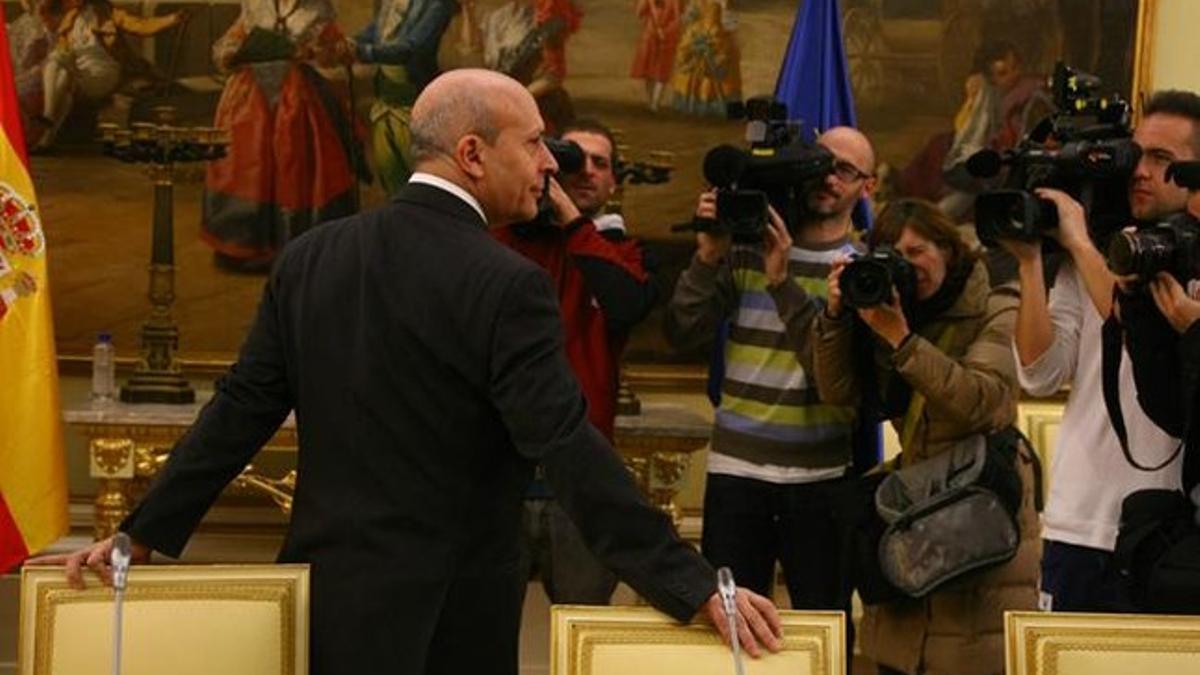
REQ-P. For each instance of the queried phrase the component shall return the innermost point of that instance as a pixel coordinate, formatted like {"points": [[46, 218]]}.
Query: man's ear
{"points": [[468, 154], [869, 186]]}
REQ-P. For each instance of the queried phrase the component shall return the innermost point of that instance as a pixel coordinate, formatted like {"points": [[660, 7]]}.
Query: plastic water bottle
{"points": [[104, 369]]}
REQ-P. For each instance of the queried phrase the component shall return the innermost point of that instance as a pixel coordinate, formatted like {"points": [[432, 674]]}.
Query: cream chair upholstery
{"points": [[635, 640], [1041, 643], [183, 620]]}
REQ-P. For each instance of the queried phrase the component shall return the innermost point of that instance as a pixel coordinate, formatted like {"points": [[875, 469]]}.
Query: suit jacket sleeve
{"points": [[249, 404], [544, 411]]}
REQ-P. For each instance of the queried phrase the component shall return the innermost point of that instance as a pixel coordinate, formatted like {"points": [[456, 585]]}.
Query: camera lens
{"points": [[1144, 253], [866, 283]]}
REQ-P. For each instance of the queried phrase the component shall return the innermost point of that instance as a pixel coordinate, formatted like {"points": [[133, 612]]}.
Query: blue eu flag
{"points": [[814, 80], [814, 83]]}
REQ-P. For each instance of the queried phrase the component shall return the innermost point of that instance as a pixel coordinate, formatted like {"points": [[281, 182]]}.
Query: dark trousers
{"points": [[389, 624], [553, 549], [750, 524], [1080, 579]]}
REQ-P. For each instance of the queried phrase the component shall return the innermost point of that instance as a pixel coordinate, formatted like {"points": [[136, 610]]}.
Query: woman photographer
{"points": [[943, 372]]}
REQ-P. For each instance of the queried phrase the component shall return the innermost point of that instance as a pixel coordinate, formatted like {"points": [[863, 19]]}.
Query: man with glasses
{"points": [[1058, 342], [779, 457]]}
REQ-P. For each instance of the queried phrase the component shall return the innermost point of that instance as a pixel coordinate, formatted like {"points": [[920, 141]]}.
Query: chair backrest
{"points": [[1049, 643], [628, 640], [184, 620]]}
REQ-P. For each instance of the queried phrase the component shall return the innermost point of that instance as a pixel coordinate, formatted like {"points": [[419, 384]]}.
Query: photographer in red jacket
{"points": [[603, 291]]}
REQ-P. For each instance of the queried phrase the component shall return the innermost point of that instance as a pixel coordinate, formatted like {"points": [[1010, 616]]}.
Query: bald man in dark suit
{"points": [[424, 361]]}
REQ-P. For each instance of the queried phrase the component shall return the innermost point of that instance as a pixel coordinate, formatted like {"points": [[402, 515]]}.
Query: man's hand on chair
{"points": [[96, 557], [758, 621]]}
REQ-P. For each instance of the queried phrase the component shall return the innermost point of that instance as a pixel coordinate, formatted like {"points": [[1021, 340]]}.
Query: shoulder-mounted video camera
{"points": [[778, 169], [1084, 148]]}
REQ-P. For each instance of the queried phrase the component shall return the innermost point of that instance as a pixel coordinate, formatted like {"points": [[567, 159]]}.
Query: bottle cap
{"points": [[104, 336]]}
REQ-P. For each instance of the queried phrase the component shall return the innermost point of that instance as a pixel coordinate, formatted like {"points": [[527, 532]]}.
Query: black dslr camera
{"points": [[1084, 148], [777, 170], [869, 279], [570, 159], [1172, 246], [567, 154]]}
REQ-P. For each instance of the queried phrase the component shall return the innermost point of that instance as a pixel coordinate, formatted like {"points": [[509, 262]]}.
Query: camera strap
{"points": [[916, 405], [1110, 360]]}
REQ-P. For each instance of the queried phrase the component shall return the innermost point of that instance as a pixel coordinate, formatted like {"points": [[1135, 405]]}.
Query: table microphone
{"points": [[728, 590], [120, 557]]}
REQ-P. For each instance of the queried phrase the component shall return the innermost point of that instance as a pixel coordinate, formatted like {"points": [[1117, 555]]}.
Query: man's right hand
{"points": [[711, 248], [96, 557], [565, 210], [1072, 230], [757, 621], [1026, 252]]}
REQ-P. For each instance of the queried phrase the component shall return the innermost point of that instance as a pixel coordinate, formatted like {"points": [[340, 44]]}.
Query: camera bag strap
{"points": [[1110, 360], [916, 405]]}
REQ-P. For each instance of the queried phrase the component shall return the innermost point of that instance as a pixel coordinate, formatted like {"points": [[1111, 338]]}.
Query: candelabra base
{"points": [[157, 387]]}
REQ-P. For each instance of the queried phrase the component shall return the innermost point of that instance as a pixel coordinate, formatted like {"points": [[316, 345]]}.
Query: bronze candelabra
{"points": [[165, 150]]}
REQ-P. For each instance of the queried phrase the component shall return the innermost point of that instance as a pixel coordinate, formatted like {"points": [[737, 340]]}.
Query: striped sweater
{"points": [[770, 424]]}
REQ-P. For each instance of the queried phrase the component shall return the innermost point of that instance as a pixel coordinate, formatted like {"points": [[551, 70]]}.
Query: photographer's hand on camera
{"points": [[887, 321], [777, 245], [711, 248], [1180, 310], [833, 301], [1072, 233], [565, 211]]}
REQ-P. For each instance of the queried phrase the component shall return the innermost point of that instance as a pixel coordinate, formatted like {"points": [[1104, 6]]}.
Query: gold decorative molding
{"points": [[1046, 643], [209, 596], [616, 640], [1143, 55], [111, 457]]}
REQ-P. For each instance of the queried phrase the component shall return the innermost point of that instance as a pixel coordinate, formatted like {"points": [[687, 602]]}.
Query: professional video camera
{"points": [[1172, 246], [1084, 148], [869, 279], [777, 170]]}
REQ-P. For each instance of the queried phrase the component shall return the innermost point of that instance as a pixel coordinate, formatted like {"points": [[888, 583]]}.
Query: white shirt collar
{"points": [[456, 190]]}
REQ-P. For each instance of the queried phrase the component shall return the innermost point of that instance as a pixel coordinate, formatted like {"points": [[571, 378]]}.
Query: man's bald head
{"points": [[851, 144], [458, 103], [852, 178], [482, 131]]}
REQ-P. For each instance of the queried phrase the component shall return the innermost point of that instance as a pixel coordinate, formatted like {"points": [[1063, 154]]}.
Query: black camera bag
{"points": [[1158, 552]]}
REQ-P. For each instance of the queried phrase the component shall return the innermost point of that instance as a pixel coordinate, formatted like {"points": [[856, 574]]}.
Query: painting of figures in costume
{"points": [[314, 98]]}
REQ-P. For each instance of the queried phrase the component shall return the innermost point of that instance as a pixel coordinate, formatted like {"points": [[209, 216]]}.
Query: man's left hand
{"points": [[1179, 309], [777, 246], [887, 321], [565, 210], [757, 621]]}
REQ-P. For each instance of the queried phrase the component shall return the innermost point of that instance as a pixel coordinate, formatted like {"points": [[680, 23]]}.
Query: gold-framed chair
{"points": [[616, 640], [181, 619], [1050, 643]]}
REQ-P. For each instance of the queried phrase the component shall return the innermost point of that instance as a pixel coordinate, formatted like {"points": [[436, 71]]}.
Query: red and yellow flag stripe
{"points": [[33, 491]]}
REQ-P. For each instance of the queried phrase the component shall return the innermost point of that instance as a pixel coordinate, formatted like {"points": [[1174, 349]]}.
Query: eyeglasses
{"points": [[848, 173]]}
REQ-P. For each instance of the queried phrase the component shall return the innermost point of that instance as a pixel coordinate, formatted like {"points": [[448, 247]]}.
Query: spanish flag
{"points": [[33, 486]]}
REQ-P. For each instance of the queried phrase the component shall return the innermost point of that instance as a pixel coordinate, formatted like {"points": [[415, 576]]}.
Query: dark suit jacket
{"points": [[424, 361]]}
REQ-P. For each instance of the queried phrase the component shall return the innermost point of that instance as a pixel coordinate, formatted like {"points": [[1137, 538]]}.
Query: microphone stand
{"points": [[728, 591], [120, 557]]}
